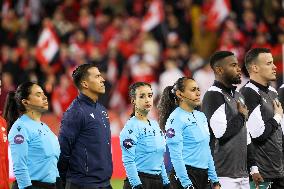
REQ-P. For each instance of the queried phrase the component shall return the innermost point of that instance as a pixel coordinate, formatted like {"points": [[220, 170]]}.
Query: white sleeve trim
{"points": [[218, 122], [255, 124]]}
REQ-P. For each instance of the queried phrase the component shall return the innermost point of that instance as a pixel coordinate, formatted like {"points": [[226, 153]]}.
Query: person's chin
{"points": [[103, 91], [273, 78], [196, 104], [237, 81]]}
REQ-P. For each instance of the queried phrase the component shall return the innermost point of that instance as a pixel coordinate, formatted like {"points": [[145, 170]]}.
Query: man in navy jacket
{"points": [[85, 139]]}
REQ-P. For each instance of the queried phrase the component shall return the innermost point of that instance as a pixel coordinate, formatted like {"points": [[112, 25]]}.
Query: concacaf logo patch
{"points": [[170, 133], [19, 139], [128, 143]]}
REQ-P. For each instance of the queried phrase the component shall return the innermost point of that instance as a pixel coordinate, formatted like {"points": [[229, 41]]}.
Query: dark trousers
{"points": [[149, 181], [70, 185], [42, 185], [198, 177]]}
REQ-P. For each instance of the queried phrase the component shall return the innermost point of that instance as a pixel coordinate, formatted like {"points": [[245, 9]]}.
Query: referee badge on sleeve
{"points": [[128, 143], [19, 139], [170, 133]]}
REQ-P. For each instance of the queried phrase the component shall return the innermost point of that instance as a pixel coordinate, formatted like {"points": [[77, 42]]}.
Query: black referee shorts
{"points": [[198, 177], [149, 181]]}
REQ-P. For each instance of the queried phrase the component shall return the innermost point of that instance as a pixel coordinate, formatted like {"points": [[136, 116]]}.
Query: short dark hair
{"points": [[252, 54], [81, 72], [217, 56]]}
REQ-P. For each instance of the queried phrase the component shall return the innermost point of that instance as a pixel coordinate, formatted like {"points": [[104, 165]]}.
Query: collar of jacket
{"points": [[261, 87], [87, 99], [230, 90]]}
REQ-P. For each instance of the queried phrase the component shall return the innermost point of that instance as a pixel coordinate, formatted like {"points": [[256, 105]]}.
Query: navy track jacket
{"points": [[85, 142]]}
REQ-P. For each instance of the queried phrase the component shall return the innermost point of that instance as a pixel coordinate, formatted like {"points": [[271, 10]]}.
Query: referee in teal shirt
{"points": [[34, 148]]}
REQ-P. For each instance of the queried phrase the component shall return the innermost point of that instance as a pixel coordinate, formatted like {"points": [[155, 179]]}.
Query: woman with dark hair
{"points": [[34, 147], [143, 143], [187, 136]]}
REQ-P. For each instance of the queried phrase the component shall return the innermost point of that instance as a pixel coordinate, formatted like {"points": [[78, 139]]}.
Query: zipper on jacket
{"points": [[86, 163]]}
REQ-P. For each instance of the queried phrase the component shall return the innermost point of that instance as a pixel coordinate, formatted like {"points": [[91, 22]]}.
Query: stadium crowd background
{"points": [[118, 36]]}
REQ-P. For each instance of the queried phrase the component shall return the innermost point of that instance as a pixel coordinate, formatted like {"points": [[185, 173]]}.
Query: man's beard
{"points": [[233, 80]]}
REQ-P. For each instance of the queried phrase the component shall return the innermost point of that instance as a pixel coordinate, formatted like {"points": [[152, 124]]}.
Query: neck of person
{"points": [[91, 95], [183, 105], [34, 115], [141, 116], [259, 80], [224, 82]]}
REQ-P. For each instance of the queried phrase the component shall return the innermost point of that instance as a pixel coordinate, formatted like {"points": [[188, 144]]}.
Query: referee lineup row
{"points": [[217, 143]]}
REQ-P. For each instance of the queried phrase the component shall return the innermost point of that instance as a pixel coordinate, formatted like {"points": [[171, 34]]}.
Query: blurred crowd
{"points": [[108, 33]]}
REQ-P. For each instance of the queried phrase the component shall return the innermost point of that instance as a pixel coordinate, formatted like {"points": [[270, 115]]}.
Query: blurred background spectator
{"points": [[154, 41]]}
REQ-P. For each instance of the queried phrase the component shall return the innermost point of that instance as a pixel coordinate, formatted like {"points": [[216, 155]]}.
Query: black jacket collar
{"points": [[261, 87], [231, 90]]}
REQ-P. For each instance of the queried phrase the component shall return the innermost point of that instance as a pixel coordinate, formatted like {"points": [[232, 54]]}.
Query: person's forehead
{"points": [[94, 71], [265, 56], [36, 89], [144, 89], [230, 59], [190, 84]]}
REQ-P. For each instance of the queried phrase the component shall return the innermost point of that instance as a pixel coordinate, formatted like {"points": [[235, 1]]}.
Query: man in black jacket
{"points": [[226, 113], [85, 140], [265, 116]]}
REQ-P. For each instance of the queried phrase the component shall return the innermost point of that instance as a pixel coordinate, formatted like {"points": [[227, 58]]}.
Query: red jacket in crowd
{"points": [[4, 163]]}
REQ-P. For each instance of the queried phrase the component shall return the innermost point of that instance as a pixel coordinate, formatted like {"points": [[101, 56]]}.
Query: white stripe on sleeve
{"points": [[218, 122], [255, 124]]}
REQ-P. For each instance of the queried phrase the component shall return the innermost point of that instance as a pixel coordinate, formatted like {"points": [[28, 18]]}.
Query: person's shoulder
{"points": [[199, 114], [129, 127], [75, 109], [154, 122], [249, 88], [19, 127], [177, 115], [212, 93]]}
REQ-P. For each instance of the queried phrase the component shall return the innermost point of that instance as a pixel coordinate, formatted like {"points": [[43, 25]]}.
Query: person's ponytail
{"points": [[166, 105], [11, 112]]}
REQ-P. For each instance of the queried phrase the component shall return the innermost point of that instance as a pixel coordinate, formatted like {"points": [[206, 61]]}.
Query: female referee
{"points": [[143, 144], [187, 136], [34, 148]]}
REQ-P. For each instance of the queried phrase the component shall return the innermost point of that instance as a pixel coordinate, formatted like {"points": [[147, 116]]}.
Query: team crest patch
{"points": [[170, 133], [19, 139], [128, 143]]}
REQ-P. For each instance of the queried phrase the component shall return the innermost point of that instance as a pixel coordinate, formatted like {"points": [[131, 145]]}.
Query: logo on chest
{"points": [[92, 115], [264, 100]]}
